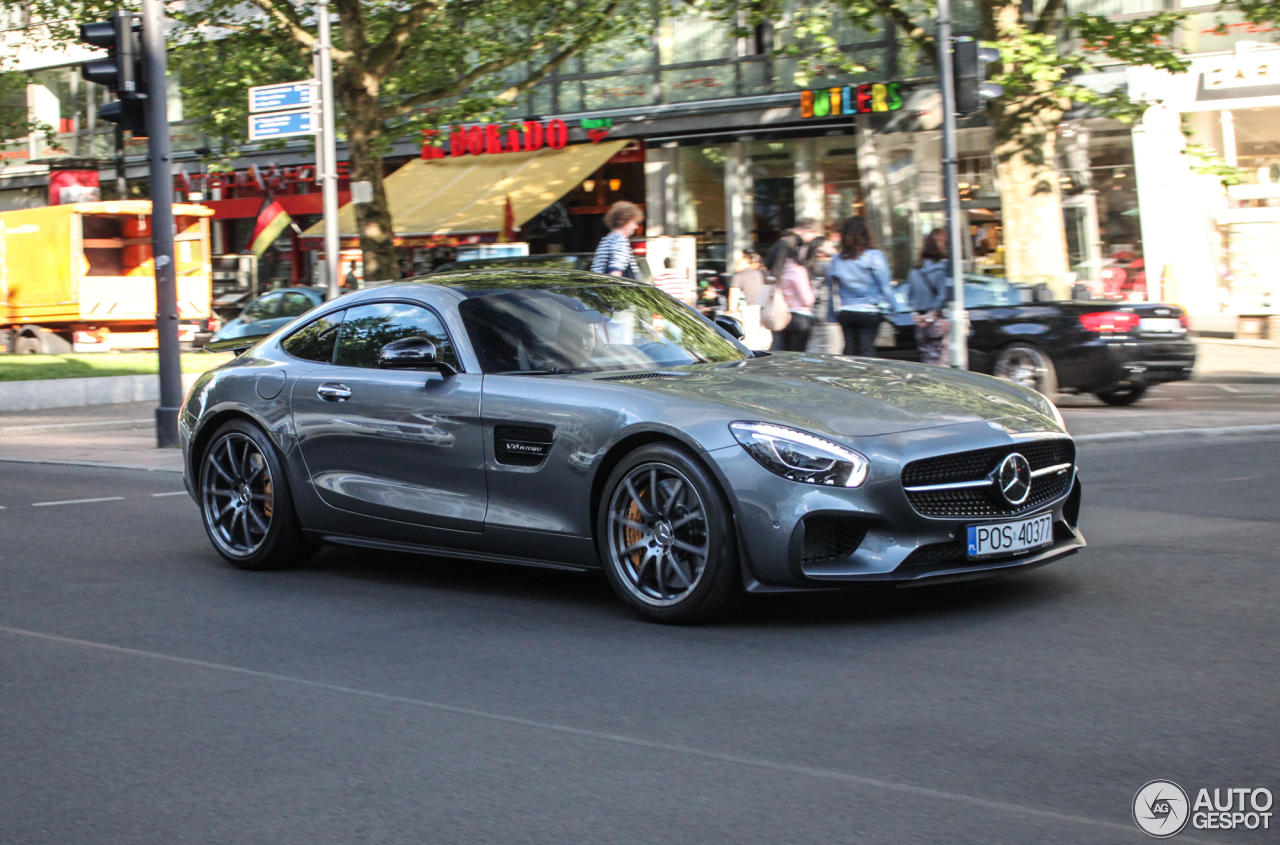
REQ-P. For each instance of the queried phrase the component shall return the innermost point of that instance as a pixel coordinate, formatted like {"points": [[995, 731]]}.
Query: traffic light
{"points": [[130, 114], [970, 63], [120, 72]]}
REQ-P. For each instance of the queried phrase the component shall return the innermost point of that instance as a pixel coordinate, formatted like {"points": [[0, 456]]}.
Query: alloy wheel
{"points": [[1024, 367], [659, 540], [237, 494]]}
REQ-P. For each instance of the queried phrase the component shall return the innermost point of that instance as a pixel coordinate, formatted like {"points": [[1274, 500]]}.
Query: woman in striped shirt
{"points": [[613, 256]]}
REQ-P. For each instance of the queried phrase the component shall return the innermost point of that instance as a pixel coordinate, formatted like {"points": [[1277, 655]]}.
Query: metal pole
{"points": [[154, 62], [327, 150], [951, 191], [122, 184]]}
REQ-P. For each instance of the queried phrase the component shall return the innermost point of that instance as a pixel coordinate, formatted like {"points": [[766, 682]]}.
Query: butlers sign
{"points": [[851, 99]]}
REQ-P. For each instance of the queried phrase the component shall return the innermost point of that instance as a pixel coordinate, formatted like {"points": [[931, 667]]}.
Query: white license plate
{"points": [[1002, 538], [1159, 324]]}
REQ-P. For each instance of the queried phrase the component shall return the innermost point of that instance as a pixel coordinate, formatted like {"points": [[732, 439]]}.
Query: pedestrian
{"points": [[793, 283], [613, 255], [751, 284], [674, 282], [858, 279], [929, 283]]}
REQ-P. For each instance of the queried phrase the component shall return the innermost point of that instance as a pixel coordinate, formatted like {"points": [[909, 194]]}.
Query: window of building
{"points": [[701, 204]]}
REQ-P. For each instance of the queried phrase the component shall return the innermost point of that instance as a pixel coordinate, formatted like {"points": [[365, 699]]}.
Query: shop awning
{"points": [[469, 193]]}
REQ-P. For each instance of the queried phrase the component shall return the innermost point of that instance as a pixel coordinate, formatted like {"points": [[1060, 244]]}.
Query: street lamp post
{"points": [[951, 191], [327, 149]]}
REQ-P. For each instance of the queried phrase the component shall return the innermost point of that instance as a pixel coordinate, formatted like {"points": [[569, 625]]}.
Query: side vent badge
{"points": [[522, 445]]}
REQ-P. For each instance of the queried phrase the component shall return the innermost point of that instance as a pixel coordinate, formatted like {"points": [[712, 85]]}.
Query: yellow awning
{"points": [[469, 193]]}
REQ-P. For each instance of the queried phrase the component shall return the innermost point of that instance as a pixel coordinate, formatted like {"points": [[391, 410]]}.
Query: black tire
{"points": [[245, 502], [1127, 396], [686, 535], [1027, 365]]}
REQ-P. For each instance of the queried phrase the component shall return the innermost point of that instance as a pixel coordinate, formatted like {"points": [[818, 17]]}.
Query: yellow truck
{"points": [[81, 277]]}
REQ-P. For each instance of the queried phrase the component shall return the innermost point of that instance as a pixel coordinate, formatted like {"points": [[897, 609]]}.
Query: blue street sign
{"points": [[286, 95], [280, 124]]}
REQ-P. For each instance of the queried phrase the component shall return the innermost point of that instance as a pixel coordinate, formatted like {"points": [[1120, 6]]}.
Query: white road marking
{"points": [[174, 493], [653, 745], [1227, 388], [77, 501]]}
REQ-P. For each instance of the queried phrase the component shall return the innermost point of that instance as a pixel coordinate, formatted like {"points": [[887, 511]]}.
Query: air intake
{"points": [[522, 445]]}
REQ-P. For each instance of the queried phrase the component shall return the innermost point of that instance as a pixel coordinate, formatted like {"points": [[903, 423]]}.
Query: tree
{"points": [[399, 66], [1041, 56]]}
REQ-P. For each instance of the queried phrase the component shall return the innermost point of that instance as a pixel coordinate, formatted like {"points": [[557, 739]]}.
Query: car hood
{"points": [[852, 397]]}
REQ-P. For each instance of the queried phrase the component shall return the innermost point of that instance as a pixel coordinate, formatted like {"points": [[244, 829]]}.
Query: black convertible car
{"points": [[1115, 350], [559, 418]]}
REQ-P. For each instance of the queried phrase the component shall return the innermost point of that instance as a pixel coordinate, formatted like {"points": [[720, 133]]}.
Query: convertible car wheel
{"points": [[666, 537], [1027, 366], [245, 502], [1122, 397]]}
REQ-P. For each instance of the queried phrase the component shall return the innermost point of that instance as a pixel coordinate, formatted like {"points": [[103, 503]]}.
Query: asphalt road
{"points": [[151, 694]]}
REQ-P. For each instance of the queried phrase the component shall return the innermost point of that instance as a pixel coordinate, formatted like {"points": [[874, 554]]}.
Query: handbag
{"points": [[774, 314], [886, 334]]}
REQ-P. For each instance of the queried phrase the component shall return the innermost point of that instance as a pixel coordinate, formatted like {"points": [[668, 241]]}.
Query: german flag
{"points": [[272, 220]]}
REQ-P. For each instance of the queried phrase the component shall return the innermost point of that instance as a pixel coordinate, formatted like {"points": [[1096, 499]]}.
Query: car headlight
{"points": [[801, 457], [1045, 406]]}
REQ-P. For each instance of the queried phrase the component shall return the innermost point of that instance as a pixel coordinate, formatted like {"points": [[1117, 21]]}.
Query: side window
{"points": [[295, 305], [315, 340], [262, 308], [368, 328]]}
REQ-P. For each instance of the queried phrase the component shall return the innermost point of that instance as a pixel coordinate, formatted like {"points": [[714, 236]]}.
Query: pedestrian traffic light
{"points": [[970, 64], [131, 114], [121, 71]]}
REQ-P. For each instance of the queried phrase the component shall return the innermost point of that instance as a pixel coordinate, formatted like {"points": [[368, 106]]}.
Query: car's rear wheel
{"points": [[666, 537], [1028, 366], [1126, 396], [245, 501]]}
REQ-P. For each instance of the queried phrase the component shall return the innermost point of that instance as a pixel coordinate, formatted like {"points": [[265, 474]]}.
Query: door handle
{"points": [[333, 392]]}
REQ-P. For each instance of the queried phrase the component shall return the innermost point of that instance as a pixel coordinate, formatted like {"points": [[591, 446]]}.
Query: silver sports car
{"points": [[563, 419]]}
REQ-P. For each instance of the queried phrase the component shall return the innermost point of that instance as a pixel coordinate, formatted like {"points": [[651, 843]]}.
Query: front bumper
{"points": [[890, 541]]}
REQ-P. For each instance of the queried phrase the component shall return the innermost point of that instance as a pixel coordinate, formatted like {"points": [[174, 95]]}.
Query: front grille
{"points": [[522, 445], [976, 465], [828, 537]]}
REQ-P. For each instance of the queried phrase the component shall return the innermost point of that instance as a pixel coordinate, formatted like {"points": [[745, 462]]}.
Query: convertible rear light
{"points": [[1109, 321], [1182, 318]]}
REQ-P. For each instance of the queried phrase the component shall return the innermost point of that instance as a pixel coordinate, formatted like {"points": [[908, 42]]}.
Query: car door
{"points": [[403, 445]]}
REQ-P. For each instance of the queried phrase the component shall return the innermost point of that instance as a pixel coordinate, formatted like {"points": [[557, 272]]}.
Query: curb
{"points": [[1175, 432], [1236, 378], [97, 464], [71, 428]]}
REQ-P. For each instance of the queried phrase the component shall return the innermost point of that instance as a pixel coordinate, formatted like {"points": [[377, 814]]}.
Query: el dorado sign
{"points": [[851, 99]]}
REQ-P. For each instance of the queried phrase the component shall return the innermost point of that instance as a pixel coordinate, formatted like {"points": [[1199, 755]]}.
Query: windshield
{"points": [[574, 328]]}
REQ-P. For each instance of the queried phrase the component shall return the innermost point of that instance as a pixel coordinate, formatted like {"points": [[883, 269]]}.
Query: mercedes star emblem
{"points": [[1014, 479]]}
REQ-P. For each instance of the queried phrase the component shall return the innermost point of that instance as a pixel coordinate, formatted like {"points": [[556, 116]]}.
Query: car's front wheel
{"points": [[666, 537], [245, 501]]}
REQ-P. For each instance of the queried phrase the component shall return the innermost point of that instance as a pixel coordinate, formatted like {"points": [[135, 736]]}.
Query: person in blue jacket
{"points": [[860, 287], [929, 283]]}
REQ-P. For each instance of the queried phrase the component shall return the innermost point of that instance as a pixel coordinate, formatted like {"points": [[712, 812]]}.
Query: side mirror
{"points": [[412, 353], [732, 325]]}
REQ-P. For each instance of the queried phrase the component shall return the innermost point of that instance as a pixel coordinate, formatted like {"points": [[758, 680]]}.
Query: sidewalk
{"points": [[124, 435], [1237, 361], [116, 435]]}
